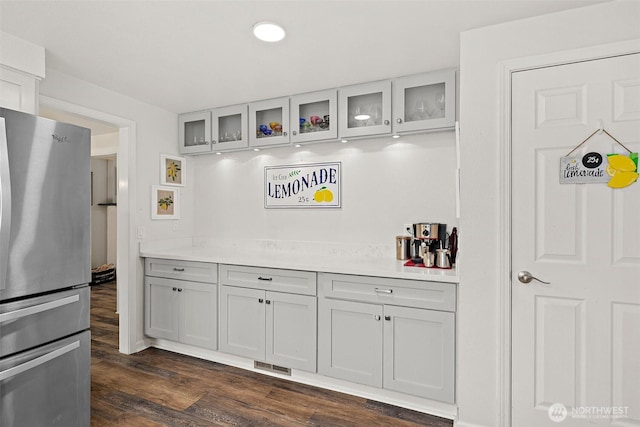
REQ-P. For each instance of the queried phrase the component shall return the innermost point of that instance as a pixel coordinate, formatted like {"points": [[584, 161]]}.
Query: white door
{"points": [[576, 341]]}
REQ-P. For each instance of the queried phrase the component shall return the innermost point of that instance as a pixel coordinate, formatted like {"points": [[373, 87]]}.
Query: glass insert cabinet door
{"points": [[195, 132], [269, 122], [313, 116], [424, 101], [365, 109], [229, 128]]}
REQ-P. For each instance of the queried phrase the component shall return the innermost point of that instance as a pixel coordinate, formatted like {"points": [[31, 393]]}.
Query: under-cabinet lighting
{"points": [[362, 117], [218, 153], [297, 145], [268, 32], [395, 136], [256, 149], [344, 141]]}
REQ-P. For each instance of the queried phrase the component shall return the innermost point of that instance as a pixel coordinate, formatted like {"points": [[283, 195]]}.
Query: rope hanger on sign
{"points": [[601, 129]]}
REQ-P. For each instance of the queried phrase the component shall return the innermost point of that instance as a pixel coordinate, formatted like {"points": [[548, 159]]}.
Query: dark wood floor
{"points": [[160, 388]]}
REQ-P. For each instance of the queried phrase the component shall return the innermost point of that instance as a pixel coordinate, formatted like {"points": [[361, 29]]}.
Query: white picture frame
{"points": [[173, 170], [165, 202]]}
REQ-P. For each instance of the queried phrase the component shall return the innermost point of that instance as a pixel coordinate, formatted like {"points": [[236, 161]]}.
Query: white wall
{"points": [[385, 184], [482, 51]]}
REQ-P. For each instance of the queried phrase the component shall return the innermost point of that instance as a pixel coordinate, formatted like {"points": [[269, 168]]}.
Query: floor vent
{"points": [[272, 368]]}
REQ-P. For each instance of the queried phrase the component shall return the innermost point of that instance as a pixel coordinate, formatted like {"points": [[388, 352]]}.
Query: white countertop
{"points": [[307, 256]]}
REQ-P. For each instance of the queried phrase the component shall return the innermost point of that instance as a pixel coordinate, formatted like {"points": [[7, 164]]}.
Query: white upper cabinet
{"points": [[424, 101], [314, 116], [269, 122], [365, 110], [195, 132], [230, 128]]}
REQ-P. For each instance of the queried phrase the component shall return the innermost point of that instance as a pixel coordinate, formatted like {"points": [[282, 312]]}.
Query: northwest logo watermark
{"points": [[558, 412]]}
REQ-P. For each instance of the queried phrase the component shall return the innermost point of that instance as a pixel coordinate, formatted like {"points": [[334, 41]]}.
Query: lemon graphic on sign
{"points": [[323, 195], [622, 170]]}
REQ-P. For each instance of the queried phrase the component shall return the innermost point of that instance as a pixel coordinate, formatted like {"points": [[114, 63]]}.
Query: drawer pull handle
{"points": [[178, 269], [266, 279], [384, 291]]}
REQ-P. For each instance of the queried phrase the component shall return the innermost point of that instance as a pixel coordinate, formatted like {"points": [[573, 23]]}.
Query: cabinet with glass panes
{"points": [[364, 110], [424, 102], [313, 117], [195, 132], [269, 123], [229, 128]]}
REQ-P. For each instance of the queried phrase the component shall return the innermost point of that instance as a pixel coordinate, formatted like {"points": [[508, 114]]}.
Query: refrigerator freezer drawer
{"points": [[49, 385], [27, 323]]}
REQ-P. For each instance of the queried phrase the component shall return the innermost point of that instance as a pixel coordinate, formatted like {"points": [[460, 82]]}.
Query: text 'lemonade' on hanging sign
{"points": [[617, 170], [303, 186]]}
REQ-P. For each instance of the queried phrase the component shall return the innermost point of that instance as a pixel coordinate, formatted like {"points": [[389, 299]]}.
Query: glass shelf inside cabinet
{"points": [[230, 128], [194, 133], [424, 102], [365, 110], [269, 123], [314, 117]]}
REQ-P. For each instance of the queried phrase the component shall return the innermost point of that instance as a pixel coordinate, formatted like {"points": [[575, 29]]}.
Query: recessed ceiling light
{"points": [[268, 31]]}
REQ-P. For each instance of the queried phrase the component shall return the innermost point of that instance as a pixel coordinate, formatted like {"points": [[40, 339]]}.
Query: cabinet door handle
{"points": [[399, 120], [386, 122], [377, 317], [387, 317], [384, 291], [175, 289], [266, 279], [178, 269], [260, 300], [268, 301]]}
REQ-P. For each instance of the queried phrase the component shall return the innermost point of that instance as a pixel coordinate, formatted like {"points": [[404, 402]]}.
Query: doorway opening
{"points": [[121, 152]]}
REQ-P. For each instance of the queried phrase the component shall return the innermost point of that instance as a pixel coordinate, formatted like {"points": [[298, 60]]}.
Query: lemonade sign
{"points": [[617, 170], [315, 185]]}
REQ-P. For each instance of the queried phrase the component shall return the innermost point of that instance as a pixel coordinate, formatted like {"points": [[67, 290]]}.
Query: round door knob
{"points": [[399, 120]]}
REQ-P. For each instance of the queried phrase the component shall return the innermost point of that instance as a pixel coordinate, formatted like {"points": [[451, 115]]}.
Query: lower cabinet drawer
{"points": [[269, 279], [182, 270], [408, 293]]}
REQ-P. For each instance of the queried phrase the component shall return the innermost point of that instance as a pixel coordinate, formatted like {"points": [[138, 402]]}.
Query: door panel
{"points": [[242, 322], [574, 341], [198, 313], [350, 341], [161, 308]]}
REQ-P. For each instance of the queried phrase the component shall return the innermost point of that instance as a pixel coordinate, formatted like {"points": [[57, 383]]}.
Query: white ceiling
{"points": [[190, 55]]}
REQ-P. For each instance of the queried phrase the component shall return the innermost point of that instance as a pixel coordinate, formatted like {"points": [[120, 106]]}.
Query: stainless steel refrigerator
{"points": [[45, 271]]}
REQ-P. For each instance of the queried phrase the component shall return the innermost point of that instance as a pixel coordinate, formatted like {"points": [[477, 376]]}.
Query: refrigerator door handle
{"points": [[5, 204], [12, 372], [35, 309]]}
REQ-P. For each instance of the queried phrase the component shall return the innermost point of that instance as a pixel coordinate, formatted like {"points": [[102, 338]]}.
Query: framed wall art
{"points": [[172, 170], [165, 202], [315, 185]]}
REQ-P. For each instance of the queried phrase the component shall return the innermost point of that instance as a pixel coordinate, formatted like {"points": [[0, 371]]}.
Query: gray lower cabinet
{"points": [[367, 339], [278, 328], [181, 310]]}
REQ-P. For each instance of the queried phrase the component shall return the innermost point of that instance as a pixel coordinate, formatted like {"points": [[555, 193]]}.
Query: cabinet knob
{"points": [[206, 143], [387, 317], [284, 133], [175, 289], [377, 317], [386, 122], [213, 141], [179, 289], [399, 120], [260, 300], [294, 132], [268, 301]]}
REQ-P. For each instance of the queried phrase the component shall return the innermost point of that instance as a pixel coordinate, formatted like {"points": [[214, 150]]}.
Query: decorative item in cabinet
{"points": [[314, 116], [269, 123], [195, 132], [229, 128], [424, 101], [365, 110]]}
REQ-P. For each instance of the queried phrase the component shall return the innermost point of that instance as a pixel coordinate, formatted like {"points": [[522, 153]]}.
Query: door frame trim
{"points": [[506, 70]]}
